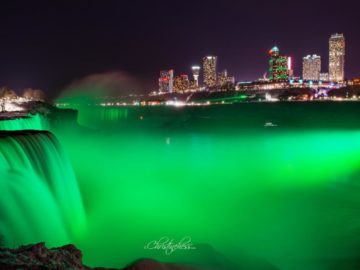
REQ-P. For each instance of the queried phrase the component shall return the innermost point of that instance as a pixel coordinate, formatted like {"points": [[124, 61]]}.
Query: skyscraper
{"points": [[166, 81], [311, 67], [337, 57], [278, 66], [209, 64], [181, 83], [196, 74]]}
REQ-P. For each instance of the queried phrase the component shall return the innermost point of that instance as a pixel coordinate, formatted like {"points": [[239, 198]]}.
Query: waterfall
{"points": [[30, 122], [40, 199]]}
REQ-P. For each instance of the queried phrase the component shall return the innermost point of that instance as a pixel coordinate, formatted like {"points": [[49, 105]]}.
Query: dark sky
{"points": [[48, 44]]}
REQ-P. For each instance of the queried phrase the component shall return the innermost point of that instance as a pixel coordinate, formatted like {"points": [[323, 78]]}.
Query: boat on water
{"points": [[270, 124]]}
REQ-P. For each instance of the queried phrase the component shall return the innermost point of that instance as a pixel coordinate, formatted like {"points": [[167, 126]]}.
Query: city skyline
{"points": [[280, 70], [100, 37]]}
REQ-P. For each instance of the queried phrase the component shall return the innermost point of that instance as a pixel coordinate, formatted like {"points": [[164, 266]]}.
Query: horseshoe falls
{"points": [[40, 198], [30, 122]]}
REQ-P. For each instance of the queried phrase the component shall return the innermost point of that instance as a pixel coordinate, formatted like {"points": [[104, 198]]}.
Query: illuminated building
{"points": [[231, 79], [261, 86], [278, 66], [181, 83], [223, 78], [290, 68], [356, 81], [311, 67], [337, 57], [196, 74], [209, 65], [324, 77], [166, 81]]}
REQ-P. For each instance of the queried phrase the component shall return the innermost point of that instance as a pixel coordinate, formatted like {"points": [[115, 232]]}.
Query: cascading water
{"points": [[40, 199], [31, 122]]}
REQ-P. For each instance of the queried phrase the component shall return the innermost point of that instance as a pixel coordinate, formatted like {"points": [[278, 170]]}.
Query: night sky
{"points": [[48, 44]]}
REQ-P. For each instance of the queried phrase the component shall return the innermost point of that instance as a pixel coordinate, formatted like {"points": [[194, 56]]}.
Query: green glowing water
{"points": [[287, 195]]}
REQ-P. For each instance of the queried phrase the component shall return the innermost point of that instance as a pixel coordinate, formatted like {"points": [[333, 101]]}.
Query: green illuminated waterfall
{"points": [[31, 122], [40, 199]]}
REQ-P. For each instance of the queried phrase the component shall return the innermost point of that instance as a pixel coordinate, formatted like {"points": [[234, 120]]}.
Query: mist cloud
{"points": [[100, 87]]}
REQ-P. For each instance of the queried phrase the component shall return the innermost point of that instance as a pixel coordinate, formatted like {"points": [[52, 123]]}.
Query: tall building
{"points": [[166, 81], [196, 74], [278, 70], [181, 83], [311, 67], [209, 65], [337, 57]]}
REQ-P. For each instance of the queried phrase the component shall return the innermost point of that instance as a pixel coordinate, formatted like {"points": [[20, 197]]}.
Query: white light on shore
{"points": [[175, 103], [11, 106]]}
